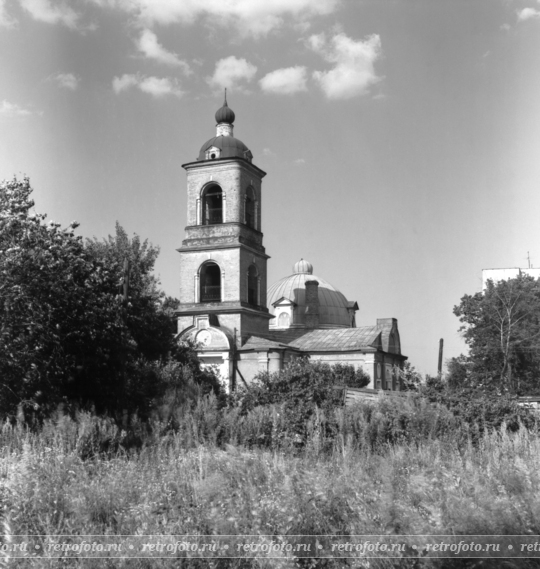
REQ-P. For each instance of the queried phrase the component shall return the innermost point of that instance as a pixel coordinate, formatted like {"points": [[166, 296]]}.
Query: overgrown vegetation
{"points": [[426, 482], [72, 330]]}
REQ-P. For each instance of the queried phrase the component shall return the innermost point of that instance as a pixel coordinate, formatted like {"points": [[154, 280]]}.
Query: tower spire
{"points": [[225, 103]]}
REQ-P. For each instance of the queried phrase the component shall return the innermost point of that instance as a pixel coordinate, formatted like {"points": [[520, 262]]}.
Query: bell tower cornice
{"points": [[221, 161]]}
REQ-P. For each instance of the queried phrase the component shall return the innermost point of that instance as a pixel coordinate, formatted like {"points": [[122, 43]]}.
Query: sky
{"points": [[400, 138]]}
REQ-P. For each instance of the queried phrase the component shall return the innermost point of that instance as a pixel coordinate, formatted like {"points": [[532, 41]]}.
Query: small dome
{"points": [[333, 306], [303, 266], [224, 114]]}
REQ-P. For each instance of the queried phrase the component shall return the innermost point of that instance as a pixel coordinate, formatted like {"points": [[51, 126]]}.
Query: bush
{"points": [[300, 389], [479, 409]]}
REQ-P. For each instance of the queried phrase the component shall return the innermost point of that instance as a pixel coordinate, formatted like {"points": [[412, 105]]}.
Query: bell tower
{"points": [[222, 258]]}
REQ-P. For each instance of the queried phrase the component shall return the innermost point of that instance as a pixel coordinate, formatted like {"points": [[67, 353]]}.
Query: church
{"points": [[240, 325]]}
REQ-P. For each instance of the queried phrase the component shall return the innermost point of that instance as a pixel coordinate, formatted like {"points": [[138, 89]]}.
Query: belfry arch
{"points": [[250, 208], [210, 282], [212, 205], [253, 286]]}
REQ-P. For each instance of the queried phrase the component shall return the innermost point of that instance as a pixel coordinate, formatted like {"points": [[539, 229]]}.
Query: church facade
{"points": [[240, 325]]}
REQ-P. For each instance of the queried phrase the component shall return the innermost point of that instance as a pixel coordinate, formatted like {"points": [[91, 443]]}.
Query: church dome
{"points": [[224, 114], [333, 306], [303, 267], [229, 146]]}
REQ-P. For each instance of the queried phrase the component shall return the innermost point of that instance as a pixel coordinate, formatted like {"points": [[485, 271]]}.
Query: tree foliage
{"points": [[66, 331], [147, 312], [502, 328], [60, 328], [482, 410], [410, 378]]}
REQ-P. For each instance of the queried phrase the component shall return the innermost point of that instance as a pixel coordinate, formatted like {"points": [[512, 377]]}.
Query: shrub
{"points": [[480, 410], [300, 389]]}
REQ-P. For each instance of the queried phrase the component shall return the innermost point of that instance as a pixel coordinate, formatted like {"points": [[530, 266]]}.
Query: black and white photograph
{"points": [[269, 284]]}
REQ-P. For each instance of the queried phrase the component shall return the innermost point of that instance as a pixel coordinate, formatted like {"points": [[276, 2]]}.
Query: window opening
{"points": [[210, 283], [213, 206], [253, 286], [250, 211], [284, 320]]}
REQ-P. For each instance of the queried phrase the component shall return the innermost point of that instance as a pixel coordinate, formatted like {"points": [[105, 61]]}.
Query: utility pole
{"points": [[441, 343]]}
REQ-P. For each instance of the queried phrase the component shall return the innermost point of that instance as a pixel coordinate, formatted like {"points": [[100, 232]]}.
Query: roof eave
{"points": [[202, 163]]}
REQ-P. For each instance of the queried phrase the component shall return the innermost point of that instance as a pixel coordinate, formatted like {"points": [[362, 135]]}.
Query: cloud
{"points": [[148, 44], [527, 14], [125, 82], [160, 87], [268, 152], [155, 86], [44, 11], [230, 72], [5, 20], [353, 72], [67, 81], [285, 81], [249, 17], [8, 109], [299, 161]]}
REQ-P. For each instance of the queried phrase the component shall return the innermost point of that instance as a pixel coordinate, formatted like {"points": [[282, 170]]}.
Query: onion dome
{"points": [[224, 145], [303, 266], [224, 114], [333, 306]]}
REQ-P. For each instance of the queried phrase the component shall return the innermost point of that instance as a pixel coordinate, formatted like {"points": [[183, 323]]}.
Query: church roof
{"points": [[258, 342], [230, 147], [333, 306], [319, 340]]}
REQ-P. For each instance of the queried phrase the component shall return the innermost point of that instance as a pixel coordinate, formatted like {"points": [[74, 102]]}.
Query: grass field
{"points": [[56, 481]]}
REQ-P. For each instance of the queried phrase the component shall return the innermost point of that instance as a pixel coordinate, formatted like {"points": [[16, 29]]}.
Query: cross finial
{"points": [[225, 103]]}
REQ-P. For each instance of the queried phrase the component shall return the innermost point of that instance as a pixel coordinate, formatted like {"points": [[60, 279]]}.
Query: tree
{"points": [[410, 378], [147, 311], [67, 334], [502, 328], [59, 327]]}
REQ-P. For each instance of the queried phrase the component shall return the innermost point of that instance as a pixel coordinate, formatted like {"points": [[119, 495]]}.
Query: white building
{"points": [[497, 275]]}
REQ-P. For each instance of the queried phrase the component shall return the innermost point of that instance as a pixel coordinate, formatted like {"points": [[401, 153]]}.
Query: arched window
{"points": [[284, 320], [250, 210], [253, 286], [212, 206], [210, 283]]}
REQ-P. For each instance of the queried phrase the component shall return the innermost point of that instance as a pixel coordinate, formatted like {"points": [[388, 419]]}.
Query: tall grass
{"points": [[382, 471]]}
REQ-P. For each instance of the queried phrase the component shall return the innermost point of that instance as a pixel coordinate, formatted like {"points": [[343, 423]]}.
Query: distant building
{"points": [[240, 326], [497, 275]]}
